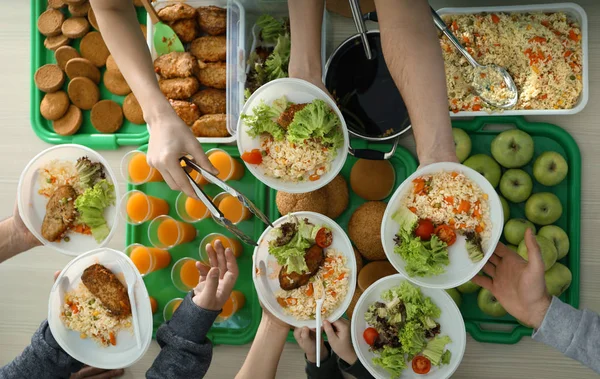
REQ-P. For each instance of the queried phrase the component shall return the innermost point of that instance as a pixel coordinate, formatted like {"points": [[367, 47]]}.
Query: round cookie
{"points": [[49, 78], [54, 105], [83, 92], [92, 19], [337, 197], [64, 54], [79, 10], [49, 23], [69, 123], [75, 27], [107, 116], [116, 84], [94, 49], [111, 65], [364, 229], [315, 201], [132, 110], [56, 42], [56, 4], [78, 67]]}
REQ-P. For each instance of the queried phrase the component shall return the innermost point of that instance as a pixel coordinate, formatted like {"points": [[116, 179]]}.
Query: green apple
{"points": [[558, 237], [512, 247], [505, 208], [514, 230], [550, 168], [512, 148], [462, 142], [455, 295], [516, 185], [547, 249], [486, 166], [558, 279], [543, 208], [489, 304], [468, 287]]}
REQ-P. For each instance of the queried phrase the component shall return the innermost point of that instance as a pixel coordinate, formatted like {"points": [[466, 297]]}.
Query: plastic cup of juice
{"points": [[234, 303], [196, 176], [164, 232], [229, 168], [232, 208], [147, 259], [185, 274], [136, 170], [137, 207], [228, 242], [189, 209], [171, 307]]}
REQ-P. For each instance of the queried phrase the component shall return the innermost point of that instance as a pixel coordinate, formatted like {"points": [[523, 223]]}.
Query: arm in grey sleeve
{"points": [[43, 359], [185, 350], [573, 332]]}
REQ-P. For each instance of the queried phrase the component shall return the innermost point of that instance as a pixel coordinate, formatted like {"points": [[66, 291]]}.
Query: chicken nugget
{"points": [[179, 89], [186, 111], [176, 12], [60, 213], [210, 48], [105, 285], [212, 74], [211, 101], [211, 125], [212, 20], [185, 29], [175, 65], [364, 229], [287, 117]]}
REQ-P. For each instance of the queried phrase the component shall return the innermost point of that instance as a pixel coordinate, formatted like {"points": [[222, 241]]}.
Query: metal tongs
{"points": [[216, 213], [359, 22]]}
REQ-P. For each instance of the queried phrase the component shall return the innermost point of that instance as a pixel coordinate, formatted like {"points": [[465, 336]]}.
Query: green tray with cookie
{"points": [[78, 94]]}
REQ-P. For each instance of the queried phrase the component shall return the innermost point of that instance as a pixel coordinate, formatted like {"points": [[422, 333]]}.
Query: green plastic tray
{"points": [[129, 134], [241, 328], [547, 137]]}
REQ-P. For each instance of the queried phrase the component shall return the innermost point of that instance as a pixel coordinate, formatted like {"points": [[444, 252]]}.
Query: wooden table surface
{"points": [[25, 280]]}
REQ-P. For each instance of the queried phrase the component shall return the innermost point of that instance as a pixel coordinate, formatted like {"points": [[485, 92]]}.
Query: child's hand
{"points": [[216, 281], [338, 335], [307, 340]]}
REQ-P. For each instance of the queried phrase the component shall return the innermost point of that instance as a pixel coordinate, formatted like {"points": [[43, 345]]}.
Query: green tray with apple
{"points": [[517, 156]]}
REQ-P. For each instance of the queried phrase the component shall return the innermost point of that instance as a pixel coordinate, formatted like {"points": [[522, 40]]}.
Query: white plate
{"points": [[460, 269], [296, 91], [267, 283], [32, 205], [451, 323], [125, 352]]}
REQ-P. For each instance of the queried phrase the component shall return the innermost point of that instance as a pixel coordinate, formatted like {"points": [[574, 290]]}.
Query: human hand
{"points": [[273, 321], [97, 373], [338, 335], [307, 340], [27, 239], [216, 281], [517, 284], [444, 155]]}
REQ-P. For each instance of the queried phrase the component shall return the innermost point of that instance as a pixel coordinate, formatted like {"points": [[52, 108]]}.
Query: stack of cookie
{"points": [[83, 71], [195, 81]]}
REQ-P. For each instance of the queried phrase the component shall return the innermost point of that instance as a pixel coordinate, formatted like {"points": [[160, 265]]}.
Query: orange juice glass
{"points": [[229, 168], [164, 232], [228, 242], [136, 170], [236, 301], [148, 259], [196, 176], [185, 274], [189, 209], [232, 208], [171, 307], [137, 207]]}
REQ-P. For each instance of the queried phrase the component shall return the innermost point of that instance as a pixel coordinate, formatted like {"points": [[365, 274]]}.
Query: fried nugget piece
{"points": [[212, 20], [186, 29], [212, 74], [176, 12], [210, 48], [286, 118], [60, 213], [175, 65], [105, 285], [211, 125], [178, 89], [186, 111], [211, 101], [314, 258]]}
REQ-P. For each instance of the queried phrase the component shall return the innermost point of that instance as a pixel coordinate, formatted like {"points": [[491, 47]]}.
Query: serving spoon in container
{"points": [[165, 38]]}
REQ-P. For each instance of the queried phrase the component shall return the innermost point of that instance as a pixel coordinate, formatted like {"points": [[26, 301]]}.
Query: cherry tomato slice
{"points": [[252, 157], [370, 335], [446, 233], [324, 237], [421, 365], [424, 230]]}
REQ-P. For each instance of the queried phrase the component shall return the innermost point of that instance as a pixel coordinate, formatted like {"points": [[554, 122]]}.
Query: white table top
{"points": [[26, 279]]}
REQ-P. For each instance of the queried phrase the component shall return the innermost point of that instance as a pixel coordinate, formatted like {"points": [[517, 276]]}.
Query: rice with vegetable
{"points": [[58, 173], [292, 162]]}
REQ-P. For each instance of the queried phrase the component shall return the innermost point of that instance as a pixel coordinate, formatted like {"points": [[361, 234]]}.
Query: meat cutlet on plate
{"points": [[105, 285], [314, 258], [60, 213]]}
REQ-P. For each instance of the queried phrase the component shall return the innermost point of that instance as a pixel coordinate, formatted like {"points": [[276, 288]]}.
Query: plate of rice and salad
{"points": [[304, 255], [441, 225], [292, 136]]}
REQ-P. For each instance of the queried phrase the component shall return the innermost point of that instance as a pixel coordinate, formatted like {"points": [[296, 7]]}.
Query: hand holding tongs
{"points": [[217, 214]]}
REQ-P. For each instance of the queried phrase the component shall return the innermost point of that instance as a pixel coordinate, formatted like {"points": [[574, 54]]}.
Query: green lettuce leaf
{"points": [[422, 258], [292, 253], [262, 121], [271, 28], [91, 205], [412, 338], [446, 357], [316, 120], [435, 349], [392, 360]]}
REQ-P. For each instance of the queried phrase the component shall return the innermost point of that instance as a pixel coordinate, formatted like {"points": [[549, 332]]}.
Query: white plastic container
{"points": [[572, 11], [236, 58]]}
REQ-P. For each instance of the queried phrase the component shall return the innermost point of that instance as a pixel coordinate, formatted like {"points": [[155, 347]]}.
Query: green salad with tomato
{"points": [[403, 328]]}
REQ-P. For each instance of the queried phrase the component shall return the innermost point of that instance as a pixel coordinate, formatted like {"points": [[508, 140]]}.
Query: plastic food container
{"points": [[573, 11], [236, 58]]}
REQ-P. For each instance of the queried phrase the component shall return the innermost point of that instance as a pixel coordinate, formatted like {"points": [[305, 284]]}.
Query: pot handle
{"points": [[375, 155]]}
